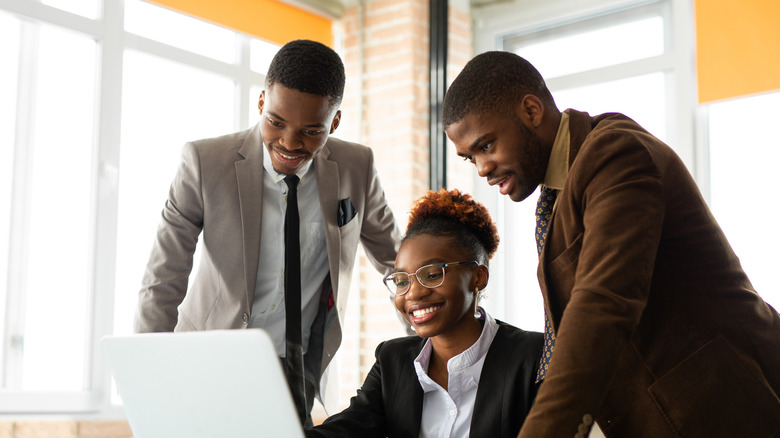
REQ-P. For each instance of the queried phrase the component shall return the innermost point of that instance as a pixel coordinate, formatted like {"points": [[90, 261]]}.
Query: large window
{"points": [[743, 185], [600, 57], [10, 33], [54, 246], [188, 102], [96, 100], [636, 57]]}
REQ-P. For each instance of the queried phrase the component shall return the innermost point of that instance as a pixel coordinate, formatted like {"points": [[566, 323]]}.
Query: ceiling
{"points": [[335, 8]]}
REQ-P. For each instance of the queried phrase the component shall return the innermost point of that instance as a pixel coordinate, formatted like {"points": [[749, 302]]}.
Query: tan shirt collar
{"points": [[558, 166]]}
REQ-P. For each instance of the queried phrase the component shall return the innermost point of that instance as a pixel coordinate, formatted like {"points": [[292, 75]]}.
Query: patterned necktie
{"points": [[292, 298], [544, 208]]}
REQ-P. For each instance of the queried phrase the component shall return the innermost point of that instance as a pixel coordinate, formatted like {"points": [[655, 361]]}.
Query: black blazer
{"points": [[390, 402]]}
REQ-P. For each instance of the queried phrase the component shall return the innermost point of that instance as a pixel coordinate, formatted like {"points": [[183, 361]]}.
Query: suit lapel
{"points": [[408, 397], [580, 125], [489, 410], [327, 174], [249, 178]]}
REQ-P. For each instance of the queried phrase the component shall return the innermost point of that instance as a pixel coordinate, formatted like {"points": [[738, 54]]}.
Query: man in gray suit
{"points": [[232, 189]]}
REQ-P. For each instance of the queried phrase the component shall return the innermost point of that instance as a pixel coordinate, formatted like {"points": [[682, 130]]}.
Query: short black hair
{"points": [[309, 67], [492, 82]]}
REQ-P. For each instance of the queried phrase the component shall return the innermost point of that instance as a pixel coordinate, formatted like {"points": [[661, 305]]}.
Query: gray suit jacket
{"points": [[218, 192]]}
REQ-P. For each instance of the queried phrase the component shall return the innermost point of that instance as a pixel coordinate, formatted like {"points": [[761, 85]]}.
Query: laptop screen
{"points": [[207, 384]]}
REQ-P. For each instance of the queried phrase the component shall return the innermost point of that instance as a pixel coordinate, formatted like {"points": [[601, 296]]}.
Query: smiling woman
{"points": [[440, 307], [465, 369]]}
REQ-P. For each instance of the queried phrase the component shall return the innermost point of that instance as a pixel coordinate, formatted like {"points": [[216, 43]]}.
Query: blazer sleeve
{"points": [[615, 187], [379, 234], [165, 280], [365, 415]]}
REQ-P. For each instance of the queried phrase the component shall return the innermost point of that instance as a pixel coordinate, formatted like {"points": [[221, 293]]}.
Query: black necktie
{"points": [[292, 299], [543, 213]]}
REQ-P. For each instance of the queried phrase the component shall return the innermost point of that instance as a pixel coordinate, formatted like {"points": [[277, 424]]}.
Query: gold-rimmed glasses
{"points": [[430, 276]]}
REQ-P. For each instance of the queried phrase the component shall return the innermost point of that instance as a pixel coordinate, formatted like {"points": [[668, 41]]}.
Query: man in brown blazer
{"points": [[231, 190], [658, 331]]}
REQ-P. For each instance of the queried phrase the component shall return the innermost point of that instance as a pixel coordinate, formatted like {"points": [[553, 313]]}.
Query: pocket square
{"points": [[346, 211]]}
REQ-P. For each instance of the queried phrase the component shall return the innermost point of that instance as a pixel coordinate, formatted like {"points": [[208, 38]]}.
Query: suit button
{"points": [[587, 419], [245, 318]]}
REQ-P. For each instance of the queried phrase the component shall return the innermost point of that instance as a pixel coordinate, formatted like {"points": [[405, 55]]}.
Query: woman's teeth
{"points": [[422, 312]]}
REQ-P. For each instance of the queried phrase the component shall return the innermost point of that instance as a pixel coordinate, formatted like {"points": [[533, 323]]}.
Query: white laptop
{"points": [[221, 383]]}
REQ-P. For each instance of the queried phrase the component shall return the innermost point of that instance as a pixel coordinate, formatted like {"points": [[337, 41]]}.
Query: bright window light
{"points": [[180, 30], [622, 43], [743, 185], [85, 8], [9, 53], [83, 176], [520, 260], [164, 105], [254, 111], [643, 98], [58, 273], [260, 54]]}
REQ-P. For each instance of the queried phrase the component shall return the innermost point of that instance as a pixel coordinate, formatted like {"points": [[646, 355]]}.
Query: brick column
{"points": [[460, 50], [385, 51]]}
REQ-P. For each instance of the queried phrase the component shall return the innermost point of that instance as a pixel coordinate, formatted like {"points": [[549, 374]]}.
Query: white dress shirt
{"points": [[447, 413], [268, 310]]}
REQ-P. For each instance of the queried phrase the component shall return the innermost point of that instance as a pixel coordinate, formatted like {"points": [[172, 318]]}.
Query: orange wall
{"points": [[270, 20], [738, 47]]}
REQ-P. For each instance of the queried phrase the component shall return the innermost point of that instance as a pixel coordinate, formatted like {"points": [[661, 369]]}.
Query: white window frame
{"points": [[113, 40], [685, 130]]}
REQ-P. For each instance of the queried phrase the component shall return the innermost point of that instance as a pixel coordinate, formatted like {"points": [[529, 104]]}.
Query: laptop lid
{"points": [[220, 383]]}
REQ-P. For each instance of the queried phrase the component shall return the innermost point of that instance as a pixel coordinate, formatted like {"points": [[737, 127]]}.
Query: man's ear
{"points": [[261, 101], [336, 120], [530, 109]]}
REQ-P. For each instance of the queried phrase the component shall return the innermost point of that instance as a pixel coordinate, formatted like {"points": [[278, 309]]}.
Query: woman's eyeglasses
{"points": [[429, 276]]}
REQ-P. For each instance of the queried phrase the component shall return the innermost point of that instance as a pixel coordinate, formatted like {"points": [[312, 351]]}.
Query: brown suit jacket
{"points": [[217, 194], [659, 331]]}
